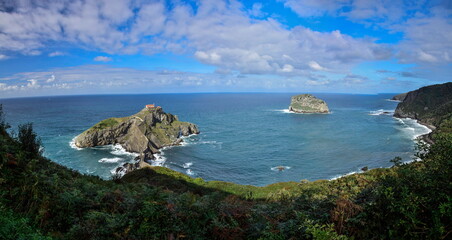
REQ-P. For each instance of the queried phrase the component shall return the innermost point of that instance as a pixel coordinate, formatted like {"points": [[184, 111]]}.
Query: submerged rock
{"points": [[144, 133], [307, 103]]}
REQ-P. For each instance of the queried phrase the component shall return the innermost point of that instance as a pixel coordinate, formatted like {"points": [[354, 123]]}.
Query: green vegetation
{"points": [[299, 106], [29, 141], [164, 131], [14, 227], [110, 122], [40, 199]]}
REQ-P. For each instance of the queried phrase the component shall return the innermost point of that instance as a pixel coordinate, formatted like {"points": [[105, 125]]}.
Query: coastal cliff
{"points": [[430, 105], [399, 97], [144, 133], [307, 103]]}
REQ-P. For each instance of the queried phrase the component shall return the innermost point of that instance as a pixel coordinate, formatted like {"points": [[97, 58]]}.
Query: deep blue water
{"points": [[243, 136]]}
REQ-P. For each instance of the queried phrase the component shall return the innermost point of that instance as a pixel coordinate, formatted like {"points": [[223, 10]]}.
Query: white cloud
{"points": [[32, 83], [95, 79], [354, 79], [256, 10], [226, 35], [5, 87], [427, 40], [3, 57], [362, 11], [287, 68], [315, 66], [102, 59], [56, 54], [219, 33], [51, 79], [316, 83]]}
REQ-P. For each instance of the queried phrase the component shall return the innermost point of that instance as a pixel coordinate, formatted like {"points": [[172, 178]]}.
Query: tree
{"points": [[3, 124], [29, 140], [397, 161]]}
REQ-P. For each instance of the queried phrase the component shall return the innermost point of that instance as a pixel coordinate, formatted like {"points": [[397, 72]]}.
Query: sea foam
{"points": [[118, 150], [344, 175], [187, 165], [413, 128], [190, 172], [110, 160], [72, 144], [381, 112], [280, 168], [390, 100]]}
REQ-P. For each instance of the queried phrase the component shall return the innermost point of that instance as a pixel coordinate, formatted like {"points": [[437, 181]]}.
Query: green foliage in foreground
{"points": [[41, 199], [14, 227]]}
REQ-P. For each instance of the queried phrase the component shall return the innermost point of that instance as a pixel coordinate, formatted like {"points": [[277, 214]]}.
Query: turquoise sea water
{"points": [[244, 136]]}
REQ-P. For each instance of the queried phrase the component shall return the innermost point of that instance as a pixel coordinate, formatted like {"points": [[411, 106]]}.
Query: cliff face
{"points": [[143, 133], [430, 105], [306, 103], [399, 97]]}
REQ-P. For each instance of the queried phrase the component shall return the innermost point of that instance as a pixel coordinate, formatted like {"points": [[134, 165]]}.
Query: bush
{"points": [[13, 227]]}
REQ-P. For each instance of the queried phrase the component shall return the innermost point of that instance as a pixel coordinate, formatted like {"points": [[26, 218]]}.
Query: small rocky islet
{"points": [[307, 103], [143, 133]]}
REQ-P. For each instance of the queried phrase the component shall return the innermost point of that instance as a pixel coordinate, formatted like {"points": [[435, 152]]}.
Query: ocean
{"points": [[245, 137]]}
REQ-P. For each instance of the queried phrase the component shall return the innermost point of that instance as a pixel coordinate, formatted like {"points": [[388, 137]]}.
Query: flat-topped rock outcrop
{"points": [[307, 103]]}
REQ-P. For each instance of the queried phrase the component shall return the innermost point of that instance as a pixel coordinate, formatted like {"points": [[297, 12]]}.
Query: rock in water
{"points": [[143, 133], [306, 103]]}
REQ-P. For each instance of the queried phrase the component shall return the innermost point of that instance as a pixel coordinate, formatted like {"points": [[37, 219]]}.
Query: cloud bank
{"points": [[225, 34], [218, 33]]}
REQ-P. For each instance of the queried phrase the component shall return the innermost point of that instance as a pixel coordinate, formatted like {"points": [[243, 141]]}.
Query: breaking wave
{"points": [[110, 160], [381, 112], [72, 144], [280, 168], [187, 165], [118, 150], [344, 175], [412, 128]]}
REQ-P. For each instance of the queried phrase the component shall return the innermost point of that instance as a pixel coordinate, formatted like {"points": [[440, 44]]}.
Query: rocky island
{"points": [[144, 133], [307, 103]]}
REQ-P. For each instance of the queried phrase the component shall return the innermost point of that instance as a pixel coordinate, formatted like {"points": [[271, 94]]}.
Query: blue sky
{"points": [[60, 47]]}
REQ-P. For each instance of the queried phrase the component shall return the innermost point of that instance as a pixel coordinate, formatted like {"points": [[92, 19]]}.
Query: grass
{"points": [[176, 181], [110, 122], [301, 107]]}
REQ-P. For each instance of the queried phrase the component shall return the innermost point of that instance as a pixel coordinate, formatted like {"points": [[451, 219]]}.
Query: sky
{"points": [[66, 47]]}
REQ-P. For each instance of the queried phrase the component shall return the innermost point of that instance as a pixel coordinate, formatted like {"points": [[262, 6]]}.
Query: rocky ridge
{"points": [[144, 133], [307, 103]]}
